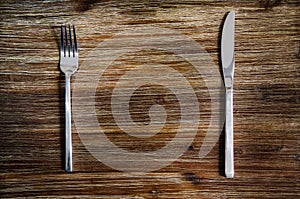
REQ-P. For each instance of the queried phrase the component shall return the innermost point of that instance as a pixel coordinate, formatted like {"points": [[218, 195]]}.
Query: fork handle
{"points": [[68, 133], [229, 155]]}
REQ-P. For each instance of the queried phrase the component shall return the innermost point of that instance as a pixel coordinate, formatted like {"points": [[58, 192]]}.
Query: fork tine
{"points": [[62, 43], [71, 51], [67, 42], [65, 38], [75, 42]]}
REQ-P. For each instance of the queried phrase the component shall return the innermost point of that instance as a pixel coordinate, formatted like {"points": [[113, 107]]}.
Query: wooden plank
{"points": [[266, 106]]}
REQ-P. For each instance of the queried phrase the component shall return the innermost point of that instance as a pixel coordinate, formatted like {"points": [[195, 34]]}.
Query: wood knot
{"points": [[192, 177], [298, 53], [85, 5], [154, 192], [269, 4], [239, 151], [191, 147]]}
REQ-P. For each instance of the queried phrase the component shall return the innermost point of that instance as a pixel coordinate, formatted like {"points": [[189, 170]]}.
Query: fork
{"points": [[68, 65]]}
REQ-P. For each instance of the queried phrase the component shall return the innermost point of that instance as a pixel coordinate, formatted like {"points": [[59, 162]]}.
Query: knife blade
{"points": [[227, 58]]}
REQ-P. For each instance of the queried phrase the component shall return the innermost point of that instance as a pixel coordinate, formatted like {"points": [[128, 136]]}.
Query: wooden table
{"points": [[266, 106]]}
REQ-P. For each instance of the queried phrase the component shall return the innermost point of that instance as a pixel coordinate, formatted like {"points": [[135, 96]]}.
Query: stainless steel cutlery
{"points": [[68, 65], [227, 56]]}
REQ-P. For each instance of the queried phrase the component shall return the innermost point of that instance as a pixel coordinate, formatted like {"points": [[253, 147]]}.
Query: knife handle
{"points": [[229, 158]]}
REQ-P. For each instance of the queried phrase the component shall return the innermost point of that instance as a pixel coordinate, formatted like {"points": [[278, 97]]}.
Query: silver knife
{"points": [[227, 56]]}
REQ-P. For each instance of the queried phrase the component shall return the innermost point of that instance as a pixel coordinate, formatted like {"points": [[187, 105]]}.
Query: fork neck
{"points": [[68, 75]]}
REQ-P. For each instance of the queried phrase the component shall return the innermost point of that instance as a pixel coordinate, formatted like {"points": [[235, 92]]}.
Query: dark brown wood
{"points": [[266, 106]]}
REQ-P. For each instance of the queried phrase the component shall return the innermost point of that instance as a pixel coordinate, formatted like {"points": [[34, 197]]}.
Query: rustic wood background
{"points": [[266, 106]]}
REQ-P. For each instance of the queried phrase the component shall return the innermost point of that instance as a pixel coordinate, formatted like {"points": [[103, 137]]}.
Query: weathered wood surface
{"points": [[266, 106]]}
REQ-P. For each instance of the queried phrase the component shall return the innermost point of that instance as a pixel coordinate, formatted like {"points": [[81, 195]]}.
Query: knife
{"points": [[227, 58]]}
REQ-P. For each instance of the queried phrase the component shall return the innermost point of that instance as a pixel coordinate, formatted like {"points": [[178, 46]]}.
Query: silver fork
{"points": [[68, 65]]}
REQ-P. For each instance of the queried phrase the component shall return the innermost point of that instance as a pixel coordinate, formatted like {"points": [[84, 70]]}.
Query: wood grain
{"points": [[266, 106]]}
